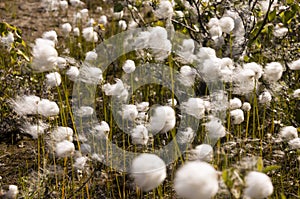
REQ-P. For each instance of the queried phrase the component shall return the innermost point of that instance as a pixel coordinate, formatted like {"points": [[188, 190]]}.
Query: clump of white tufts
{"points": [[47, 108], [91, 56], [11, 193], [265, 97], [64, 149], [66, 28], [85, 111], [256, 68], [258, 185], [185, 136], [25, 105], [50, 35], [206, 53], [196, 180], [53, 79], [114, 89], [129, 112], [80, 162], [273, 71], [72, 73], [61, 62], [214, 129], [163, 120], [61, 133], [148, 171], [294, 143], [194, 107], [101, 130], [139, 135], [165, 10], [187, 75], [246, 106], [203, 152], [89, 34], [122, 24], [296, 93], [295, 65], [226, 24], [288, 133], [143, 106], [90, 74], [129, 66], [237, 116], [235, 103], [280, 31], [34, 129]]}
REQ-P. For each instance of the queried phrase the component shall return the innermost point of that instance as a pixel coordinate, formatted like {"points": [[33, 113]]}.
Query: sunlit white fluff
{"points": [[215, 32], [66, 28], [25, 105], [203, 152], [89, 34], [103, 20], [63, 5], [187, 50], [122, 24], [163, 120], [194, 107], [101, 130], [7, 40], [258, 185], [244, 80], [196, 180], [76, 32], [11, 193], [148, 171], [296, 93], [187, 75], [118, 15], [72, 73], [61, 133], [213, 22], [294, 143], [64, 149], [257, 69], [246, 106], [84, 14], [129, 112], [80, 162], [280, 31], [235, 103], [237, 116], [50, 35], [76, 3], [47, 108], [185, 136], [91, 56], [129, 66], [164, 10], [273, 71], [61, 62], [143, 106], [139, 135], [113, 89], [288, 133], [226, 24], [295, 65], [85, 111], [214, 129], [90, 74], [44, 55], [34, 129], [206, 53], [265, 97], [53, 79]]}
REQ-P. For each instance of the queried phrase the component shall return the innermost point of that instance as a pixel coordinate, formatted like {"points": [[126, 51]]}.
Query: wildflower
{"points": [[148, 171], [214, 128], [295, 65], [235, 103], [294, 143], [89, 34], [34, 129], [61, 62], [139, 135], [257, 69], [196, 180], [237, 116], [80, 162], [203, 152], [25, 105], [258, 185], [47, 108], [265, 97], [113, 89], [90, 74], [122, 25], [129, 66], [226, 24], [165, 10], [72, 73], [185, 136], [91, 56], [288, 133], [280, 31], [194, 107], [246, 106], [187, 75], [103, 20], [85, 111], [53, 79], [66, 28], [76, 32], [64, 149], [50, 35], [273, 71], [61, 133], [44, 55], [129, 112], [143, 106], [296, 93], [101, 130], [162, 120]]}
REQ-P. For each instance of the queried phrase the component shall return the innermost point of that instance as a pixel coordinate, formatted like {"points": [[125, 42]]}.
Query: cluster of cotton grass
{"points": [[199, 176]]}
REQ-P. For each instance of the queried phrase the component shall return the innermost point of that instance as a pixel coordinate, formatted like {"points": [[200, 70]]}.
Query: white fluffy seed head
{"points": [[295, 65], [47, 108], [235, 103], [129, 66], [64, 149], [194, 107], [265, 97], [226, 24], [237, 116], [273, 71], [53, 79], [246, 106], [139, 135], [258, 185], [196, 180], [203, 152], [288, 133], [148, 171]]}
